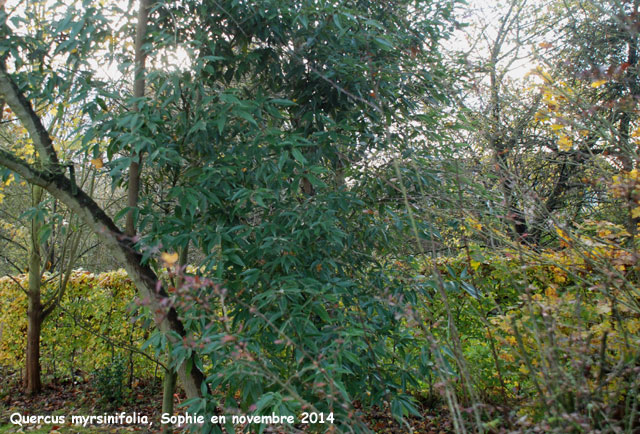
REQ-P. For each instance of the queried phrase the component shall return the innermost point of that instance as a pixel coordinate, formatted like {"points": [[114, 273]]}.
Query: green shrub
{"points": [[109, 383]]}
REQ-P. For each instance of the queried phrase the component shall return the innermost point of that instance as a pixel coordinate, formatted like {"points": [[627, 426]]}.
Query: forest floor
{"points": [[79, 398]]}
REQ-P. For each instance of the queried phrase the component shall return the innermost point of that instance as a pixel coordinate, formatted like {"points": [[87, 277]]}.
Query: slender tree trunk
{"points": [[32, 381], [632, 84], [131, 364], [135, 168], [168, 389], [170, 375]]}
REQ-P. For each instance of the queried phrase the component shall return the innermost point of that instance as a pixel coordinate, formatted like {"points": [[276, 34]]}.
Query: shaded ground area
{"points": [[79, 398], [73, 398]]}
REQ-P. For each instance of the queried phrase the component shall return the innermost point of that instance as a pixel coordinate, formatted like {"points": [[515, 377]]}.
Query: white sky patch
{"points": [[483, 17], [176, 58]]}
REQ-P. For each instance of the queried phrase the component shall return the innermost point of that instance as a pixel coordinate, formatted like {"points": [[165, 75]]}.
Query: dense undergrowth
{"points": [[523, 337]]}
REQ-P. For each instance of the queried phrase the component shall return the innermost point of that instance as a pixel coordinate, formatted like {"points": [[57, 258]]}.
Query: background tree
{"points": [[50, 240], [88, 26]]}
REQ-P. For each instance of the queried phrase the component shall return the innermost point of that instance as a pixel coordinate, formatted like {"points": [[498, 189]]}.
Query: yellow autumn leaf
{"points": [[540, 117], [565, 143], [473, 223], [507, 357], [633, 326], [544, 75], [97, 163], [557, 127], [169, 258], [604, 233], [598, 83], [559, 278], [564, 238], [635, 213]]}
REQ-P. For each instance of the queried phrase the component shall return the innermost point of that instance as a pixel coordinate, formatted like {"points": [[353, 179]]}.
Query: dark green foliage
{"points": [[109, 383], [258, 152]]}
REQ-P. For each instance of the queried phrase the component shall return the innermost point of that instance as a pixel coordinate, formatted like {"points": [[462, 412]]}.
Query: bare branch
{"points": [[28, 117]]}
